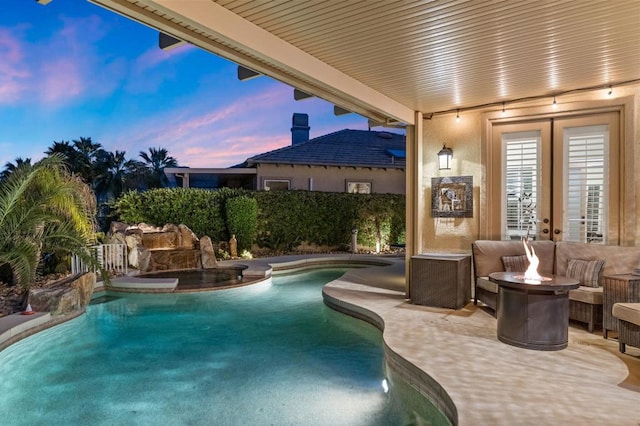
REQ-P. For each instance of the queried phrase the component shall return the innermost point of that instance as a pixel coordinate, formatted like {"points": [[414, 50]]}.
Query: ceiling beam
{"points": [[226, 34], [299, 95], [245, 74], [340, 111], [167, 42]]}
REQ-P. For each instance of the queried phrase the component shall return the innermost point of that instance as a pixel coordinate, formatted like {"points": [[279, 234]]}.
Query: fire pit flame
{"points": [[531, 275]]}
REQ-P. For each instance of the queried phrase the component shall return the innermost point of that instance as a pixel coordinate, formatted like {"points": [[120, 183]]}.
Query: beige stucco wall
{"points": [[333, 179], [466, 139]]}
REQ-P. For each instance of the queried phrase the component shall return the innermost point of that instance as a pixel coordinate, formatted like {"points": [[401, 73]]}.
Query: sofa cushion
{"points": [[515, 263], [620, 260], [485, 283], [590, 295], [629, 312], [588, 272], [487, 255]]}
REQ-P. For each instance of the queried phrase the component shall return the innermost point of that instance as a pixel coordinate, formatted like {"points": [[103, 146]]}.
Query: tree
{"points": [[44, 209], [87, 153], [80, 156], [156, 161], [115, 174], [11, 167]]}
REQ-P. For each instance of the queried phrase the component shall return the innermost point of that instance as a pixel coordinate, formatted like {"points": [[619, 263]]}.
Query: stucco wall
{"points": [[466, 139], [333, 179]]}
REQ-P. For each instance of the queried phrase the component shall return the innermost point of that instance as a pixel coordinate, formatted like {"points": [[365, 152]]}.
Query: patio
{"points": [[490, 382]]}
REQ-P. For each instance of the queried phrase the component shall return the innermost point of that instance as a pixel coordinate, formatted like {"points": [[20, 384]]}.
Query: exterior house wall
{"points": [[333, 179], [467, 137]]}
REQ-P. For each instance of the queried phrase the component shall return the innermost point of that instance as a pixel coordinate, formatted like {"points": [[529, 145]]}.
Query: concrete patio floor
{"points": [[588, 383]]}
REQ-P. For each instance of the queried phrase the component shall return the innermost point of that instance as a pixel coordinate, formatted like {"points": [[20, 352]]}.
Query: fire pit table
{"points": [[533, 314]]}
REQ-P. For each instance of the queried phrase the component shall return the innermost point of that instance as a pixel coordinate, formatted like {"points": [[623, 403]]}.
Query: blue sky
{"points": [[72, 69]]}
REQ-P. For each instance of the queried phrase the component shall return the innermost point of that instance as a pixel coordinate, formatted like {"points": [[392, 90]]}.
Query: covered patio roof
{"points": [[387, 60]]}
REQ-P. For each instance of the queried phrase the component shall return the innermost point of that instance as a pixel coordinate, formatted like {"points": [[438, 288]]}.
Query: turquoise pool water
{"points": [[267, 354]]}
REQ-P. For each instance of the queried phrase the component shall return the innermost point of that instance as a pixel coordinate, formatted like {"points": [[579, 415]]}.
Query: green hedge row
{"points": [[279, 220]]}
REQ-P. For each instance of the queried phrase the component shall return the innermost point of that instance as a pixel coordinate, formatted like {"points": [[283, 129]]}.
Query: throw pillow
{"points": [[586, 271], [515, 263]]}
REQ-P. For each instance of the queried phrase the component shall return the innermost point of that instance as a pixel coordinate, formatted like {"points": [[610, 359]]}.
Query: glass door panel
{"points": [[555, 179], [586, 206]]}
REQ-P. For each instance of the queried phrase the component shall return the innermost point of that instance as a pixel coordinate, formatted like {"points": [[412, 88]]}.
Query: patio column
{"points": [[414, 201]]}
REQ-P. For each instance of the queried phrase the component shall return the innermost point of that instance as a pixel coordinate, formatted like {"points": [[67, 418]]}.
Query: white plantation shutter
{"points": [[584, 181], [521, 151]]}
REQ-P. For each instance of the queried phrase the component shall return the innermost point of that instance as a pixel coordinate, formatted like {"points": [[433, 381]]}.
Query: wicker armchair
{"points": [[629, 326], [623, 288]]}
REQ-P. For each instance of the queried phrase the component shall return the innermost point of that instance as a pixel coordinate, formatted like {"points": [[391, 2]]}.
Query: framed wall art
{"points": [[452, 196]]}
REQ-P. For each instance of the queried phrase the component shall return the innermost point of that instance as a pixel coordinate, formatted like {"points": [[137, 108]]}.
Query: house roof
{"points": [[387, 59], [352, 148]]}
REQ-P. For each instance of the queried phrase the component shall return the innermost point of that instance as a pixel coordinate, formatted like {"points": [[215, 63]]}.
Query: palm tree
{"points": [[87, 153], [80, 156], [115, 174], [43, 209], [10, 167], [156, 161], [65, 149]]}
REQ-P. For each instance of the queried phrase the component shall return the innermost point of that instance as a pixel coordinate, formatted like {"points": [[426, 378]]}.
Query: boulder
{"points": [[207, 254], [187, 238], [134, 230], [148, 228], [118, 228], [160, 240], [68, 296], [165, 260], [139, 258], [117, 238]]}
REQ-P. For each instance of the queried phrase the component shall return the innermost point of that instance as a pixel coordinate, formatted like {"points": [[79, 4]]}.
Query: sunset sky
{"points": [[72, 69]]}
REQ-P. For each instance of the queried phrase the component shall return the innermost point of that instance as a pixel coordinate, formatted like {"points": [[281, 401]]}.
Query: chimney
{"points": [[300, 128]]}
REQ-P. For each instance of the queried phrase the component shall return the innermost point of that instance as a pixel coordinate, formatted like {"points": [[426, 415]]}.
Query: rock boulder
{"points": [[65, 297]]}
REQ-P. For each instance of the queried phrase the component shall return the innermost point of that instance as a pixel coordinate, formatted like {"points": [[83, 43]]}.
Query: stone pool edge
{"points": [[407, 371]]}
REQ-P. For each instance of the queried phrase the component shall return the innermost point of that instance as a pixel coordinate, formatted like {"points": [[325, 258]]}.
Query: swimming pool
{"points": [[270, 353]]}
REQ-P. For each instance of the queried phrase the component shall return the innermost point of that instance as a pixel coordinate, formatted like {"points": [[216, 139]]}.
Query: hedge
{"points": [[284, 219]]}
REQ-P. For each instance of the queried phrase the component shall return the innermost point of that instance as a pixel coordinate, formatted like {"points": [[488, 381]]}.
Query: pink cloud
{"points": [[155, 56], [61, 80], [192, 127], [14, 73], [55, 71], [231, 133]]}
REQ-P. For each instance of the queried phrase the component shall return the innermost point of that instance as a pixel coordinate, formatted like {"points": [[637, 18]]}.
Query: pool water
{"points": [[266, 354]]}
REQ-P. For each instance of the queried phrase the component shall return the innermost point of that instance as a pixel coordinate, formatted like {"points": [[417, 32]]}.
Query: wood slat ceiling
{"points": [[446, 54], [443, 55]]}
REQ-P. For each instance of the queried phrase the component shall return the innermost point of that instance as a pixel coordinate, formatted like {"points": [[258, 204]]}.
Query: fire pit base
{"points": [[533, 316]]}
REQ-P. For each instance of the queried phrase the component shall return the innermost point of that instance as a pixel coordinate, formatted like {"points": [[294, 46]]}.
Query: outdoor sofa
{"points": [[587, 262]]}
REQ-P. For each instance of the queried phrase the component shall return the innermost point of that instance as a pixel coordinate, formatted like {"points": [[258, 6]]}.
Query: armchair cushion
{"points": [[588, 272], [487, 284], [590, 295], [629, 312], [515, 263]]}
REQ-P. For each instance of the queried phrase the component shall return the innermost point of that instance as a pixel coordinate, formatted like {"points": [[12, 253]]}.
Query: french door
{"points": [[558, 179]]}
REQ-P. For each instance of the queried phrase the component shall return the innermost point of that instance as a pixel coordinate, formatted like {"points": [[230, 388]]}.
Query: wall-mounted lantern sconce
{"points": [[444, 158]]}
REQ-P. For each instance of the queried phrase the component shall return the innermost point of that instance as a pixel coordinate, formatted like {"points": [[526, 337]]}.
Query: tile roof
{"points": [[353, 148]]}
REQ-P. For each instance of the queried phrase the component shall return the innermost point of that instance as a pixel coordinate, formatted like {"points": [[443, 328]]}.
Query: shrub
{"points": [[276, 220], [201, 210], [242, 214]]}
